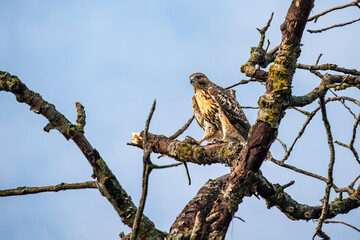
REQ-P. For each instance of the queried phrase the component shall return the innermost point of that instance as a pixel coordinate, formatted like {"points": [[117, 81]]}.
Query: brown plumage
{"points": [[217, 112]]}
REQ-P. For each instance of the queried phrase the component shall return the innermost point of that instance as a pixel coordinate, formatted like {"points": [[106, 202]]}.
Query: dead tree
{"points": [[209, 213]]}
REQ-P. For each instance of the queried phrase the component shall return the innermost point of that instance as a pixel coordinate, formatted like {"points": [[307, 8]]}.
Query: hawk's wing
{"points": [[198, 116], [231, 108]]}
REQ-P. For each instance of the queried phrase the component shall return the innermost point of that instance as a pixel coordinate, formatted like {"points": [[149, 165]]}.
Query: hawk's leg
{"points": [[211, 133]]}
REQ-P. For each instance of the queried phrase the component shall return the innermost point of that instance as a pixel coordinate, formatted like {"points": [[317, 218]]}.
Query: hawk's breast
{"points": [[208, 107]]}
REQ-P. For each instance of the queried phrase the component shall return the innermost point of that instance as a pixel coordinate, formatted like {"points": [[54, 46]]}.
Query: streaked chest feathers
{"points": [[208, 107]]}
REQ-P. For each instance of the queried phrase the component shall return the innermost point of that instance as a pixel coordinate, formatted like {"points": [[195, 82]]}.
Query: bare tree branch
{"points": [[60, 187], [185, 151], [301, 132], [147, 167], [333, 26], [218, 153], [181, 130], [310, 117], [275, 196], [315, 17], [328, 81], [330, 180], [245, 82], [108, 185], [263, 31], [208, 214], [346, 224], [351, 144], [327, 66], [343, 103]]}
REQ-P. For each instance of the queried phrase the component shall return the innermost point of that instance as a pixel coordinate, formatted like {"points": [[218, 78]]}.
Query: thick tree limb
{"points": [[197, 208], [189, 152], [338, 82], [263, 133], [107, 183], [60, 187], [218, 153], [273, 194]]}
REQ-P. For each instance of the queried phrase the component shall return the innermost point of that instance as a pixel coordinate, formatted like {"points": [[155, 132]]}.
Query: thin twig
{"points": [[146, 172], [274, 50], [181, 130], [239, 218], [318, 59], [352, 141], [301, 132], [288, 184], [268, 45], [333, 26], [187, 172], [55, 188], [248, 107], [317, 73], [282, 144], [309, 118], [351, 145], [343, 103], [310, 174], [329, 221], [342, 144], [342, 98], [329, 181], [353, 182], [148, 122], [263, 31], [177, 134], [301, 111], [315, 17], [245, 82], [154, 166]]}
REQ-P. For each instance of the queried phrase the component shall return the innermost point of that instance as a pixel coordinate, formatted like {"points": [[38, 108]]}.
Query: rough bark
{"points": [[187, 151], [273, 194]]}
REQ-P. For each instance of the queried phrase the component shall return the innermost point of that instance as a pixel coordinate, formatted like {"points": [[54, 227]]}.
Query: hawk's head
{"points": [[199, 80]]}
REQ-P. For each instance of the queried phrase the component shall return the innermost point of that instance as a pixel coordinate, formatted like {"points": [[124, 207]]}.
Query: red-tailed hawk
{"points": [[217, 112]]}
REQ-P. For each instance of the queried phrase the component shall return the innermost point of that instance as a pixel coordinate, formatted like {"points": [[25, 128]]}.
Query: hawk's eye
{"points": [[201, 81]]}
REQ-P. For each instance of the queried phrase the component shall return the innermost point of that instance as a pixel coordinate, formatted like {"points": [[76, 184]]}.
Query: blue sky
{"points": [[115, 57]]}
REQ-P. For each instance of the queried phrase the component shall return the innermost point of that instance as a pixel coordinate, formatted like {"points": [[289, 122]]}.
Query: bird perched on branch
{"points": [[217, 112]]}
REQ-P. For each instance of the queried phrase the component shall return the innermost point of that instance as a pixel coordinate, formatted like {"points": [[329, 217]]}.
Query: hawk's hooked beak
{"points": [[192, 80]]}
